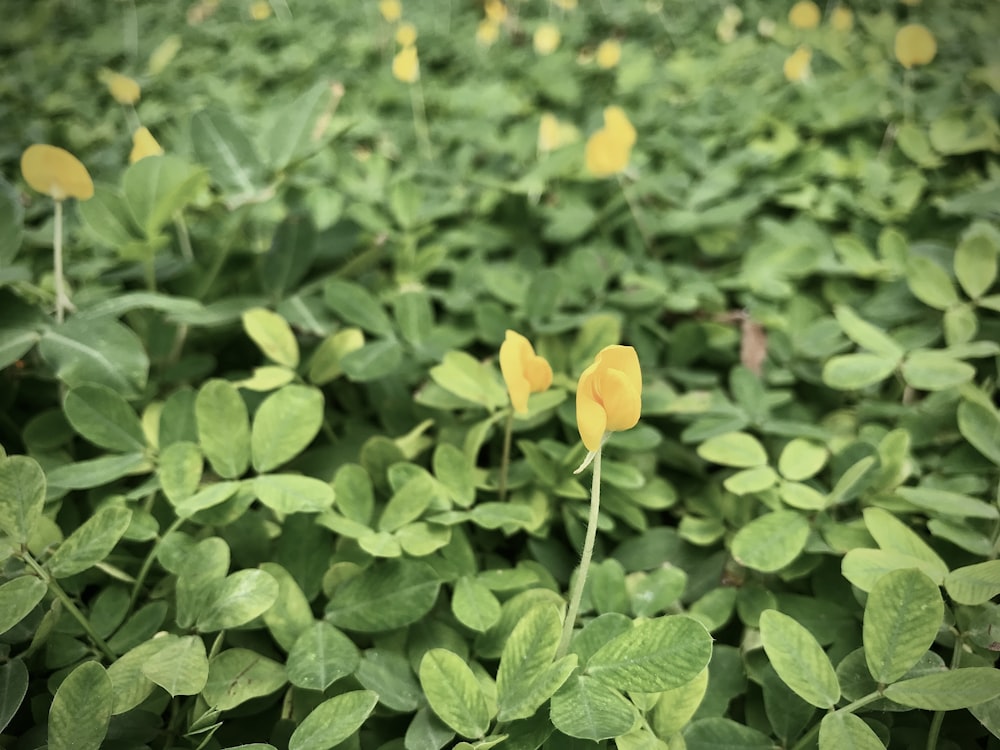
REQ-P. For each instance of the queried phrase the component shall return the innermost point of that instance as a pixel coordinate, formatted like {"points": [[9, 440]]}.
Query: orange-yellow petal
{"points": [[796, 67], [609, 53], [622, 403], [56, 172], [487, 32], [841, 18], [123, 89], [591, 419], [804, 15], [624, 359], [617, 123], [546, 39], [524, 372], [496, 11], [143, 145], [915, 45], [391, 10], [260, 10], [406, 65], [406, 34]]}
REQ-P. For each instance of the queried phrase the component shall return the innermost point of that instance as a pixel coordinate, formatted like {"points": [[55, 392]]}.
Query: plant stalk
{"points": [[505, 457], [420, 118], [57, 264]]}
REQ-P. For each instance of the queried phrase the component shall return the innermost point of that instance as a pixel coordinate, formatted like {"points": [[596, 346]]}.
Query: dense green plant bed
{"points": [[520, 376]]}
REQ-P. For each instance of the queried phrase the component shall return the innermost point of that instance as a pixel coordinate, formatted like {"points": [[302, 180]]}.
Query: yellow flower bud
{"points": [[804, 15], [123, 89], [487, 32], [915, 45], [841, 18], [565, 4], [406, 65], [523, 371], [553, 134], [609, 149], [495, 11], [406, 35], [55, 172], [609, 395], [796, 67], [546, 38], [143, 145], [609, 53], [391, 10], [260, 10]]}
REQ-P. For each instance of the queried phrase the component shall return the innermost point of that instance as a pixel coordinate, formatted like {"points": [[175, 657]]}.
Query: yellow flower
{"points": [[609, 395], [143, 145], [487, 32], [915, 45], [260, 10], [609, 149], [796, 66], [553, 134], [523, 371], [391, 10], [609, 53], [406, 34], [546, 38], [163, 54], [841, 18], [56, 172], [495, 11], [406, 65], [565, 4], [804, 15], [125, 90], [910, 2]]}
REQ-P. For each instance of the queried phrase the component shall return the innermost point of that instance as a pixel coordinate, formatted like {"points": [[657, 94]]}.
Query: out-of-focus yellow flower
{"points": [[725, 29], [565, 4], [201, 10], [143, 145], [391, 10], [123, 89], [804, 15], [487, 32], [523, 371], [915, 45], [609, 149], [406, 34], [260, 10], [546, 38], [910, 2], [609, 53], [163, 54], [554, 134], [406, 65], [55, 172], [841, 18], [796, 67], [609, 395], [766, 27], [496, 11]]}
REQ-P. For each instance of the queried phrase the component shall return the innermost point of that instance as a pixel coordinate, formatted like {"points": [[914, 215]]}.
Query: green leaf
{"points": [[267, 378], [719, 734], [293, 135], [976, 258], [354, 494], [863, 567], [333, 721], [238, 675], [892, 534], [209, 497], [867, 336], [974, 584], [11, 231], [454, 470], [421, 539], [385, 596], [130, 686], [980, 425], [801, 496], [389, 674], [798, 659], [737, 449], [18, 598], [772, 541], [930, 283], [372, 361], [801, 459], [272, 334], [291, 493], [408, 503], [840, 730], [237, 599], [674, 708], [357, 306], [453, 692], [590, 710], [180, 469], [658, 654], [22, 495], [325, 364], [468, 378], [291, 614], [13, 688], [527, 677], [91, 542], [284, 425], [159, 186], [749, 481], [935, 371], [851, 372], [81, 709], [101, 351], [108, 217], [414, 316], [104, 418], [290, 256], [223, 428], [947, 503], [474, 605], [225, 149], [597, 332], [181, 667], [321, 656], [948, 691], [902, 616], [849, 481], [83, 475]]}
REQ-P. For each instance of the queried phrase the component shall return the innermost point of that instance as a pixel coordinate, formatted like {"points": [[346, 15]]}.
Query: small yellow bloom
{"points": [[547, 38], [804, 15], [406, 65], [609, 395], [553, 134], [163, 54], [123, 89], [609, 149], [391, 10], [841, 18], [406, 34], [523, 371], [565, 4], [56, 173], [143, 145], [496, 11], [487, 32], [260, 10], [609, 53], [796, 66], [915, 45]]}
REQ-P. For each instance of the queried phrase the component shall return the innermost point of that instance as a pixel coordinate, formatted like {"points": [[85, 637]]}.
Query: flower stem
{"points": [[147, 564], [61, 595], [62, 301], [420, 118], [505, 457], [588, 552], [633, 208]]}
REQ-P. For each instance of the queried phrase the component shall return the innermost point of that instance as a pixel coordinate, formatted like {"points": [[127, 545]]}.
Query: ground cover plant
{"points": [[386, 375]]}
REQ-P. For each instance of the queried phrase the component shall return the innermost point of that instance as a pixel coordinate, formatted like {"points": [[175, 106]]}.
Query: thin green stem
{"points": [[938, 719], [850, 708], [183, 236], [149, 267], [68, 603], [633, 208], [57, 264], [420, 118], [588, 552], [505, 457], [147, 564]]}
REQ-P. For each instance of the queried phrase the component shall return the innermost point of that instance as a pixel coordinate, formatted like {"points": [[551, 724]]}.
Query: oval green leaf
{"points": [[772, 541], [333, 721], [737, 449], [454, 693], [284, 425], [798, 659], [81, 709]]}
